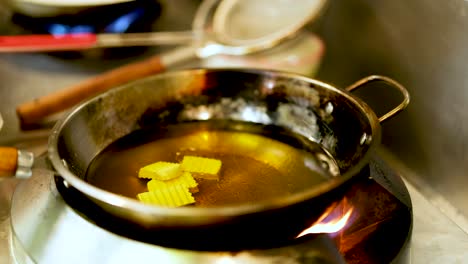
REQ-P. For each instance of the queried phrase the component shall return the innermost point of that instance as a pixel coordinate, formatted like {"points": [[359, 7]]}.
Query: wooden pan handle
{"points": [[33, 111], [8, 161], [14, 162]]}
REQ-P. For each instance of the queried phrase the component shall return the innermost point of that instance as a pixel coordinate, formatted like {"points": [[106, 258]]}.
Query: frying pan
{"points": [[341, 123]]}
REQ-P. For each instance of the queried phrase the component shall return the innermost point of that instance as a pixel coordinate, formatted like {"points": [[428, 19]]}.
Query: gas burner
{"points": [[68, 229], [126, 17]]}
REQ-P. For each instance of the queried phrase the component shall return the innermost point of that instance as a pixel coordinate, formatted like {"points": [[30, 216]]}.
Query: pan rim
{"points": [[208, 213]]}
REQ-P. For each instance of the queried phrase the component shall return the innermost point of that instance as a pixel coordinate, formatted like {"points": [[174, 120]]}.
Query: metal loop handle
{"points": [[392, 83]]}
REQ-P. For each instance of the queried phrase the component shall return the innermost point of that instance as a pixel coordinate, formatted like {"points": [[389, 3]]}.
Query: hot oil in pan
{"points": [[258, 162]]}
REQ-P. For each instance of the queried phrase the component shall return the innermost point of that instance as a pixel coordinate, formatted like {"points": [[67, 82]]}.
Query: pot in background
{"points": [[51, 8]]}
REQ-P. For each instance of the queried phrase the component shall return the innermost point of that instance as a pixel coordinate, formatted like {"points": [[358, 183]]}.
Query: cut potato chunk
{"points": [[161, 170], [173, 196], [185, 179], [204, 168]]}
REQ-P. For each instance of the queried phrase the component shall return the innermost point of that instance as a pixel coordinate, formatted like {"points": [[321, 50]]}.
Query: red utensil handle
{"points": [[30, 43]]}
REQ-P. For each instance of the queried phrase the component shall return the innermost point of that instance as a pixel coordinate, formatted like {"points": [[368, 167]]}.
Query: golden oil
{"points": [[258, 162]]}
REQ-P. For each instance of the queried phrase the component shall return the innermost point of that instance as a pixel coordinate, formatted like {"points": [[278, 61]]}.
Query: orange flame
{"points": [[343, 213]]}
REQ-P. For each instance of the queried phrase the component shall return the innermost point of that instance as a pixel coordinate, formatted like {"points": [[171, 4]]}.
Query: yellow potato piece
{"points": [[161, 170], [186, 179], [204, 168], [173, 196]]}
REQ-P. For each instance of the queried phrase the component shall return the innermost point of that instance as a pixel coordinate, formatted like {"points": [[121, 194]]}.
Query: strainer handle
{"points": [[390, 82]]}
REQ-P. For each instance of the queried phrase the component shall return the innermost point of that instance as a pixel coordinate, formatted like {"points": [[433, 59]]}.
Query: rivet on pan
{"points": [[64, 162], [365, 139], [65, 183], [270, 84], [329, 108]]}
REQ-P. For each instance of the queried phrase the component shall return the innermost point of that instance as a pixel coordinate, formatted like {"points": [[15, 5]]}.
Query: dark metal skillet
{"points": [[341, 123]]}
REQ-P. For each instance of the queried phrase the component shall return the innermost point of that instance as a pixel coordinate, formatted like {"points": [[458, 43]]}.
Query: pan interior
{"points": [[259, 162]]}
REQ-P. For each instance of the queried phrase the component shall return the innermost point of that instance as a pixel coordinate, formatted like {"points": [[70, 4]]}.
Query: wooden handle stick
{"points": [[8, 161], [33, 111], [14, 162]]}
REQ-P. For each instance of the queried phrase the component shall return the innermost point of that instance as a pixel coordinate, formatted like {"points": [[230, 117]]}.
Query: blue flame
{"points": [[119, 25], [60, 29], [122, 23]]}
